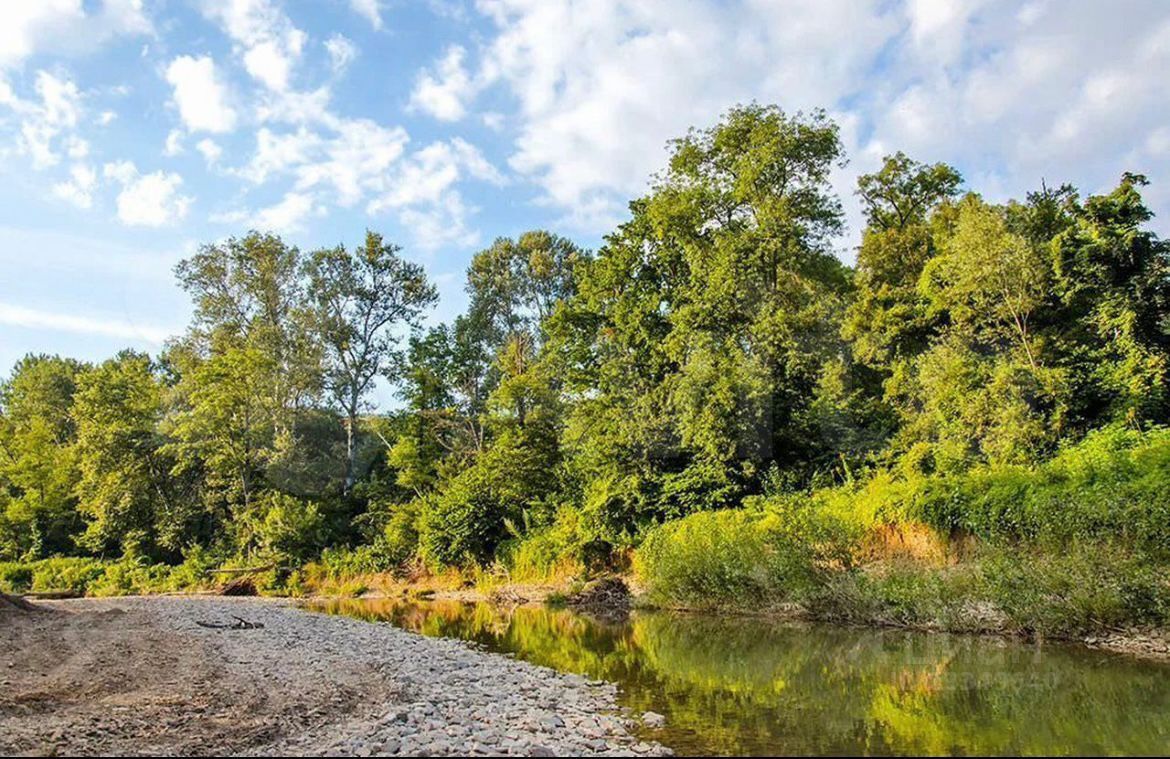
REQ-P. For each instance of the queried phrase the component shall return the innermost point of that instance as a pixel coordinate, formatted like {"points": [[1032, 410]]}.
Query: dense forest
{"points": [[988, 370]]}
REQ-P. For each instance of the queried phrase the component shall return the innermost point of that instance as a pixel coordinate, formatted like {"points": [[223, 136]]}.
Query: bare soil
{"points": [[118, 681]]}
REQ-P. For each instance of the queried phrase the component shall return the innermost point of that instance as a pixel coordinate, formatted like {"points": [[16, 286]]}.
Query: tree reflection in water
{"points": [[750, 686]]}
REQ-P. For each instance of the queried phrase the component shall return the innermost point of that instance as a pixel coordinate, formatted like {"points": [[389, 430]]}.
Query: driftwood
{"points": [[239, 624], [49, 595], [16, 602], [240, 571]]}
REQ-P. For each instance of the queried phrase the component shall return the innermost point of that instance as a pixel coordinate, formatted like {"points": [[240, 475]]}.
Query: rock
{"points": [[653, 720]]}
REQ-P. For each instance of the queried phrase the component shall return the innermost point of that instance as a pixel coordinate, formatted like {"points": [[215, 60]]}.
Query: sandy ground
{"points": [[140, 677]]}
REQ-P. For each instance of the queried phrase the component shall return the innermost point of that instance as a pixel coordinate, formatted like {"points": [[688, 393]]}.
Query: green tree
{"points": [[126, 490], [37, 463], [364, 300]]}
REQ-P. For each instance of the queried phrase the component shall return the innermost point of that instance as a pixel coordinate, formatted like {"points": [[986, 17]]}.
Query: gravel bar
{"points": [[140, 676]]}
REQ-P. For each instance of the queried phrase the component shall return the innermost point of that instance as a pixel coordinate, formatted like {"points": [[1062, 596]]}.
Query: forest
{"points": [[712, 400]]}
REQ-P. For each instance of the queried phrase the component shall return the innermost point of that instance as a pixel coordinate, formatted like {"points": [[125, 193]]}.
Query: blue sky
{"points": [[131, 131]]}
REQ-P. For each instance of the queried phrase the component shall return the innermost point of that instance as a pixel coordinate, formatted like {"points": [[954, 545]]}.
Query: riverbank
{"points": [[141, 676]]}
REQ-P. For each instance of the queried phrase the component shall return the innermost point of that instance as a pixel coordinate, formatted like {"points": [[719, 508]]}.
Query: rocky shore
{"points": [[143, 676]]}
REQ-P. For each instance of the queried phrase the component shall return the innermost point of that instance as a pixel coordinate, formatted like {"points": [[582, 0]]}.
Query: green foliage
{"points": [[741, 558], [282, 527], [714, 386], [124, 490], [63, 574]]}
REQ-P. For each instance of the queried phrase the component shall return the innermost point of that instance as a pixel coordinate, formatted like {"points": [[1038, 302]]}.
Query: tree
{"points": [[364, 300], [702, 329], [37, 462], [887, 320], [988, 279], [249, 294], [125, 489]]}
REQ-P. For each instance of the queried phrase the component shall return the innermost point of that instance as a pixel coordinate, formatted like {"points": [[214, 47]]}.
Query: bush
{"points": [[546, 553], [465, 522], [130, 577], [399, 540], [289, 529], [65, 575], [1084, 589], [15, 577], [738, 557]]}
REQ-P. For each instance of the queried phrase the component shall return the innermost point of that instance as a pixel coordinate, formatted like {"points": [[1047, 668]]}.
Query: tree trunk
{"points": [[350, 452]]}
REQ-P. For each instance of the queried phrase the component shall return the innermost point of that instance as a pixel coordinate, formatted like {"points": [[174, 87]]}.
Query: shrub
{"points": [[1084, 589], [464, 522], [736, 557], [65, 575], [290, 529], [15, 577], [399, 540]]}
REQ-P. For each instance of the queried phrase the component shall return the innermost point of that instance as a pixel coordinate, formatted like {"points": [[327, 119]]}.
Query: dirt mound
{"points": [[607, 595], [241, 586]]}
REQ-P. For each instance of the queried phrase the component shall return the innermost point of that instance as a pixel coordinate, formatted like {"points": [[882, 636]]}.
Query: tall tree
{"points": [[37, 461], [125, 487], [365, 300]]}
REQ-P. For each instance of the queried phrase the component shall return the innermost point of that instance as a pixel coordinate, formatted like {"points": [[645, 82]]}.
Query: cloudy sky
{"points": [[131, 131]]}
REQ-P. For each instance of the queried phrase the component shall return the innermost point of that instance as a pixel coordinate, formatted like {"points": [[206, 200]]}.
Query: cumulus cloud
{"points": [[210, 150], [287, 215], [80, 186], [147, 200], [268, 41], [371, 10], [45, 124], [1009, 93], [341, 52], [445, 92], [65, 26], [200, 95]]}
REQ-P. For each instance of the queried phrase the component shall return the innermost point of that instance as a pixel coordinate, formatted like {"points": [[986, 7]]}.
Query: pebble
{"points": [[453, 698]]}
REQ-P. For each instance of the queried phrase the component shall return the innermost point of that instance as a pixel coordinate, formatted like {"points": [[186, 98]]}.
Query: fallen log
{"points": [[16, 602], [240, 570]]}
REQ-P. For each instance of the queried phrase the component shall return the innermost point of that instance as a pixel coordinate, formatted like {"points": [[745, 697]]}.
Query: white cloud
{"points": [[424, 193], [18, 316], [147, 200], [445, 93], [436, 226], [174, 143], [1055, 90], [45, 124], [287, 215], [265, 37], [369, 9], [89, 324], [67, 27], [80, 186], [341, 51], [210, 150], [602, 87], [352, 160], [429, 175], [199, 95]]}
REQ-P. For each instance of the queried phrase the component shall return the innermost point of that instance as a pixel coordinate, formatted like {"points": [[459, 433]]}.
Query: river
{"points": [[756, 687]]}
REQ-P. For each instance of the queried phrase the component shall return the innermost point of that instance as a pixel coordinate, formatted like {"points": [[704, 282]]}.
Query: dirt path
{"points": [[140, 677]]}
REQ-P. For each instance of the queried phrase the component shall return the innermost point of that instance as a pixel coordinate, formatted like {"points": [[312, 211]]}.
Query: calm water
{"points": [[736, 686]]}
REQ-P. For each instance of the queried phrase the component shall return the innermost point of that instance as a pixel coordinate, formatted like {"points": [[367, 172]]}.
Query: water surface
{"points": [[750, 686]]}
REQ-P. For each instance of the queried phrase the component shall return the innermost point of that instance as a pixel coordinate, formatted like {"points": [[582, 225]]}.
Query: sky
{"points": [[133, 131]]}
